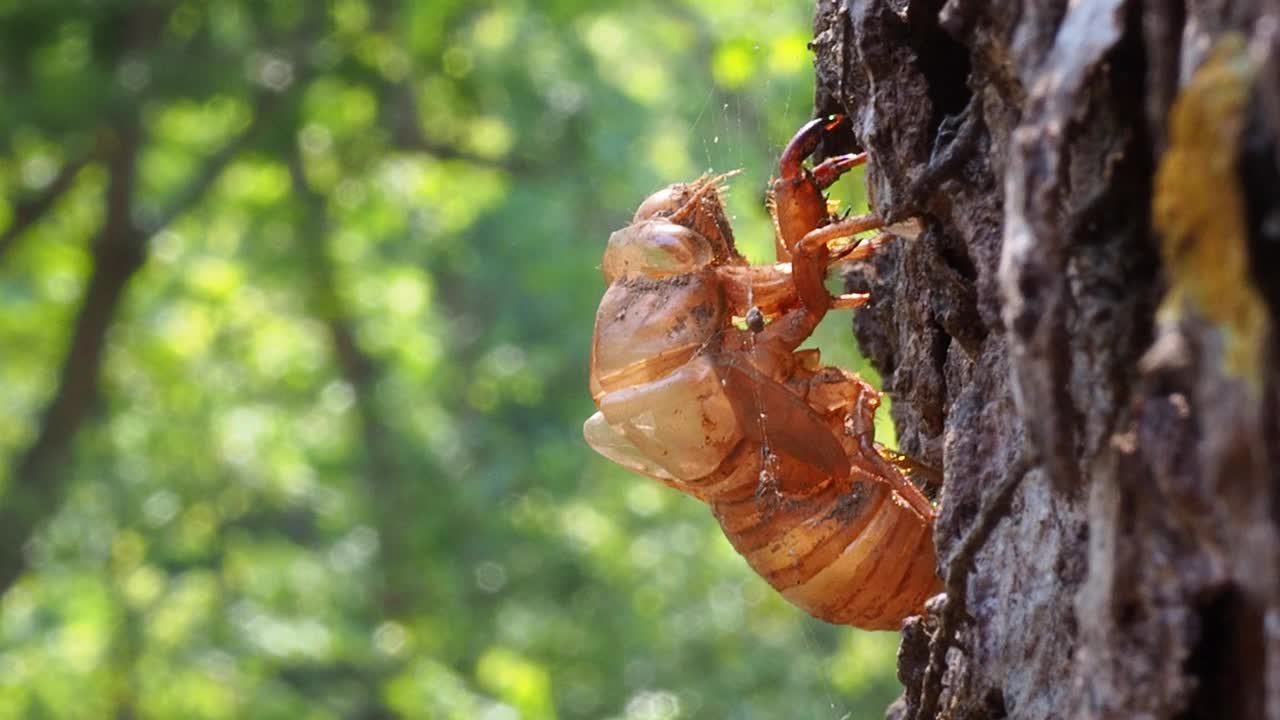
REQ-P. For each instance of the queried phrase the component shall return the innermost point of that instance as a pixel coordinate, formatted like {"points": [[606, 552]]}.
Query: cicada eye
{"points": [[654, 249], [662, 203]]}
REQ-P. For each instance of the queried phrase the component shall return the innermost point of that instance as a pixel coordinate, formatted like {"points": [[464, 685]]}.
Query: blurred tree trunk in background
{"points": [[1109, 515]]}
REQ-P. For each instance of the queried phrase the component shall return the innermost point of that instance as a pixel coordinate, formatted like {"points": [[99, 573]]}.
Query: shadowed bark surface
{"points": [[1120, 476]]}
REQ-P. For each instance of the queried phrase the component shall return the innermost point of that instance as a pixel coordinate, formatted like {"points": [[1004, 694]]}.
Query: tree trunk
{"points": [[1108, 521]]}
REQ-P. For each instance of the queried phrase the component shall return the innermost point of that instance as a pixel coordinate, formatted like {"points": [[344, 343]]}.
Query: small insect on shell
{"points": [[699, 385]]}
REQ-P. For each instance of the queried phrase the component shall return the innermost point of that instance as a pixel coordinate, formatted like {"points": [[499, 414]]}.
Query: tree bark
{"points": [[1108, 521]]}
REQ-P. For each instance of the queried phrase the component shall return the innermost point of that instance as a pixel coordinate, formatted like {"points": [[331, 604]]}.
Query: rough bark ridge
{"points": [[1133, 568]]}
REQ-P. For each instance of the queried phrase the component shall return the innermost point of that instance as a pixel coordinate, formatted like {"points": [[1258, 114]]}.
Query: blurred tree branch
{"points": [[38, 483], [312, 678], [191, 193], [399, 115], [358, 369], [30, 212], [384, 481], [36, 490]]}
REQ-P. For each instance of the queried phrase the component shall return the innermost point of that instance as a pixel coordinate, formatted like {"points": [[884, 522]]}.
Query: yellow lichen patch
{"points": [[1198, 209]]}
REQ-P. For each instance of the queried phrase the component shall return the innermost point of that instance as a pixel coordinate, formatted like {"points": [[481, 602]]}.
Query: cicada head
{"points": [[654, 249], [679, 229]]}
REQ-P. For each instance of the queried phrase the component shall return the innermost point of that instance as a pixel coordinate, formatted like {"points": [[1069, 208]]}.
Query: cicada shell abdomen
{"points": [[846, 550]]}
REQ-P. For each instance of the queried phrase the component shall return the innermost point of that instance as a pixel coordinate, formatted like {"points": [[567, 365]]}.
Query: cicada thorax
{"points": [[664, 409]]}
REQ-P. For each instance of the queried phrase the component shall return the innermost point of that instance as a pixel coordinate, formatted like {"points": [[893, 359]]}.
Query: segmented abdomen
{"points": [[846, 551]]}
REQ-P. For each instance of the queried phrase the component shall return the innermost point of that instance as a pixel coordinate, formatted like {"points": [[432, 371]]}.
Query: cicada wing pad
{"points": [[778, 419], [616, 446]]}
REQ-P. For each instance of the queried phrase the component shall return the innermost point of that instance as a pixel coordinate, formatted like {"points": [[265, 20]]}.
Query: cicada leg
{"points": [[813, 257]]}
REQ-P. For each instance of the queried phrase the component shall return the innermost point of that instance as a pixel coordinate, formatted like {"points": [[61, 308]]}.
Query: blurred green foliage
{"points": [[333, 465]]}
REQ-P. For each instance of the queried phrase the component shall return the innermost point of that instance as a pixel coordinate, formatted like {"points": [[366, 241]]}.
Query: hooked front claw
{"points": [[802, 222], [796, 194], [804, 142]]}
